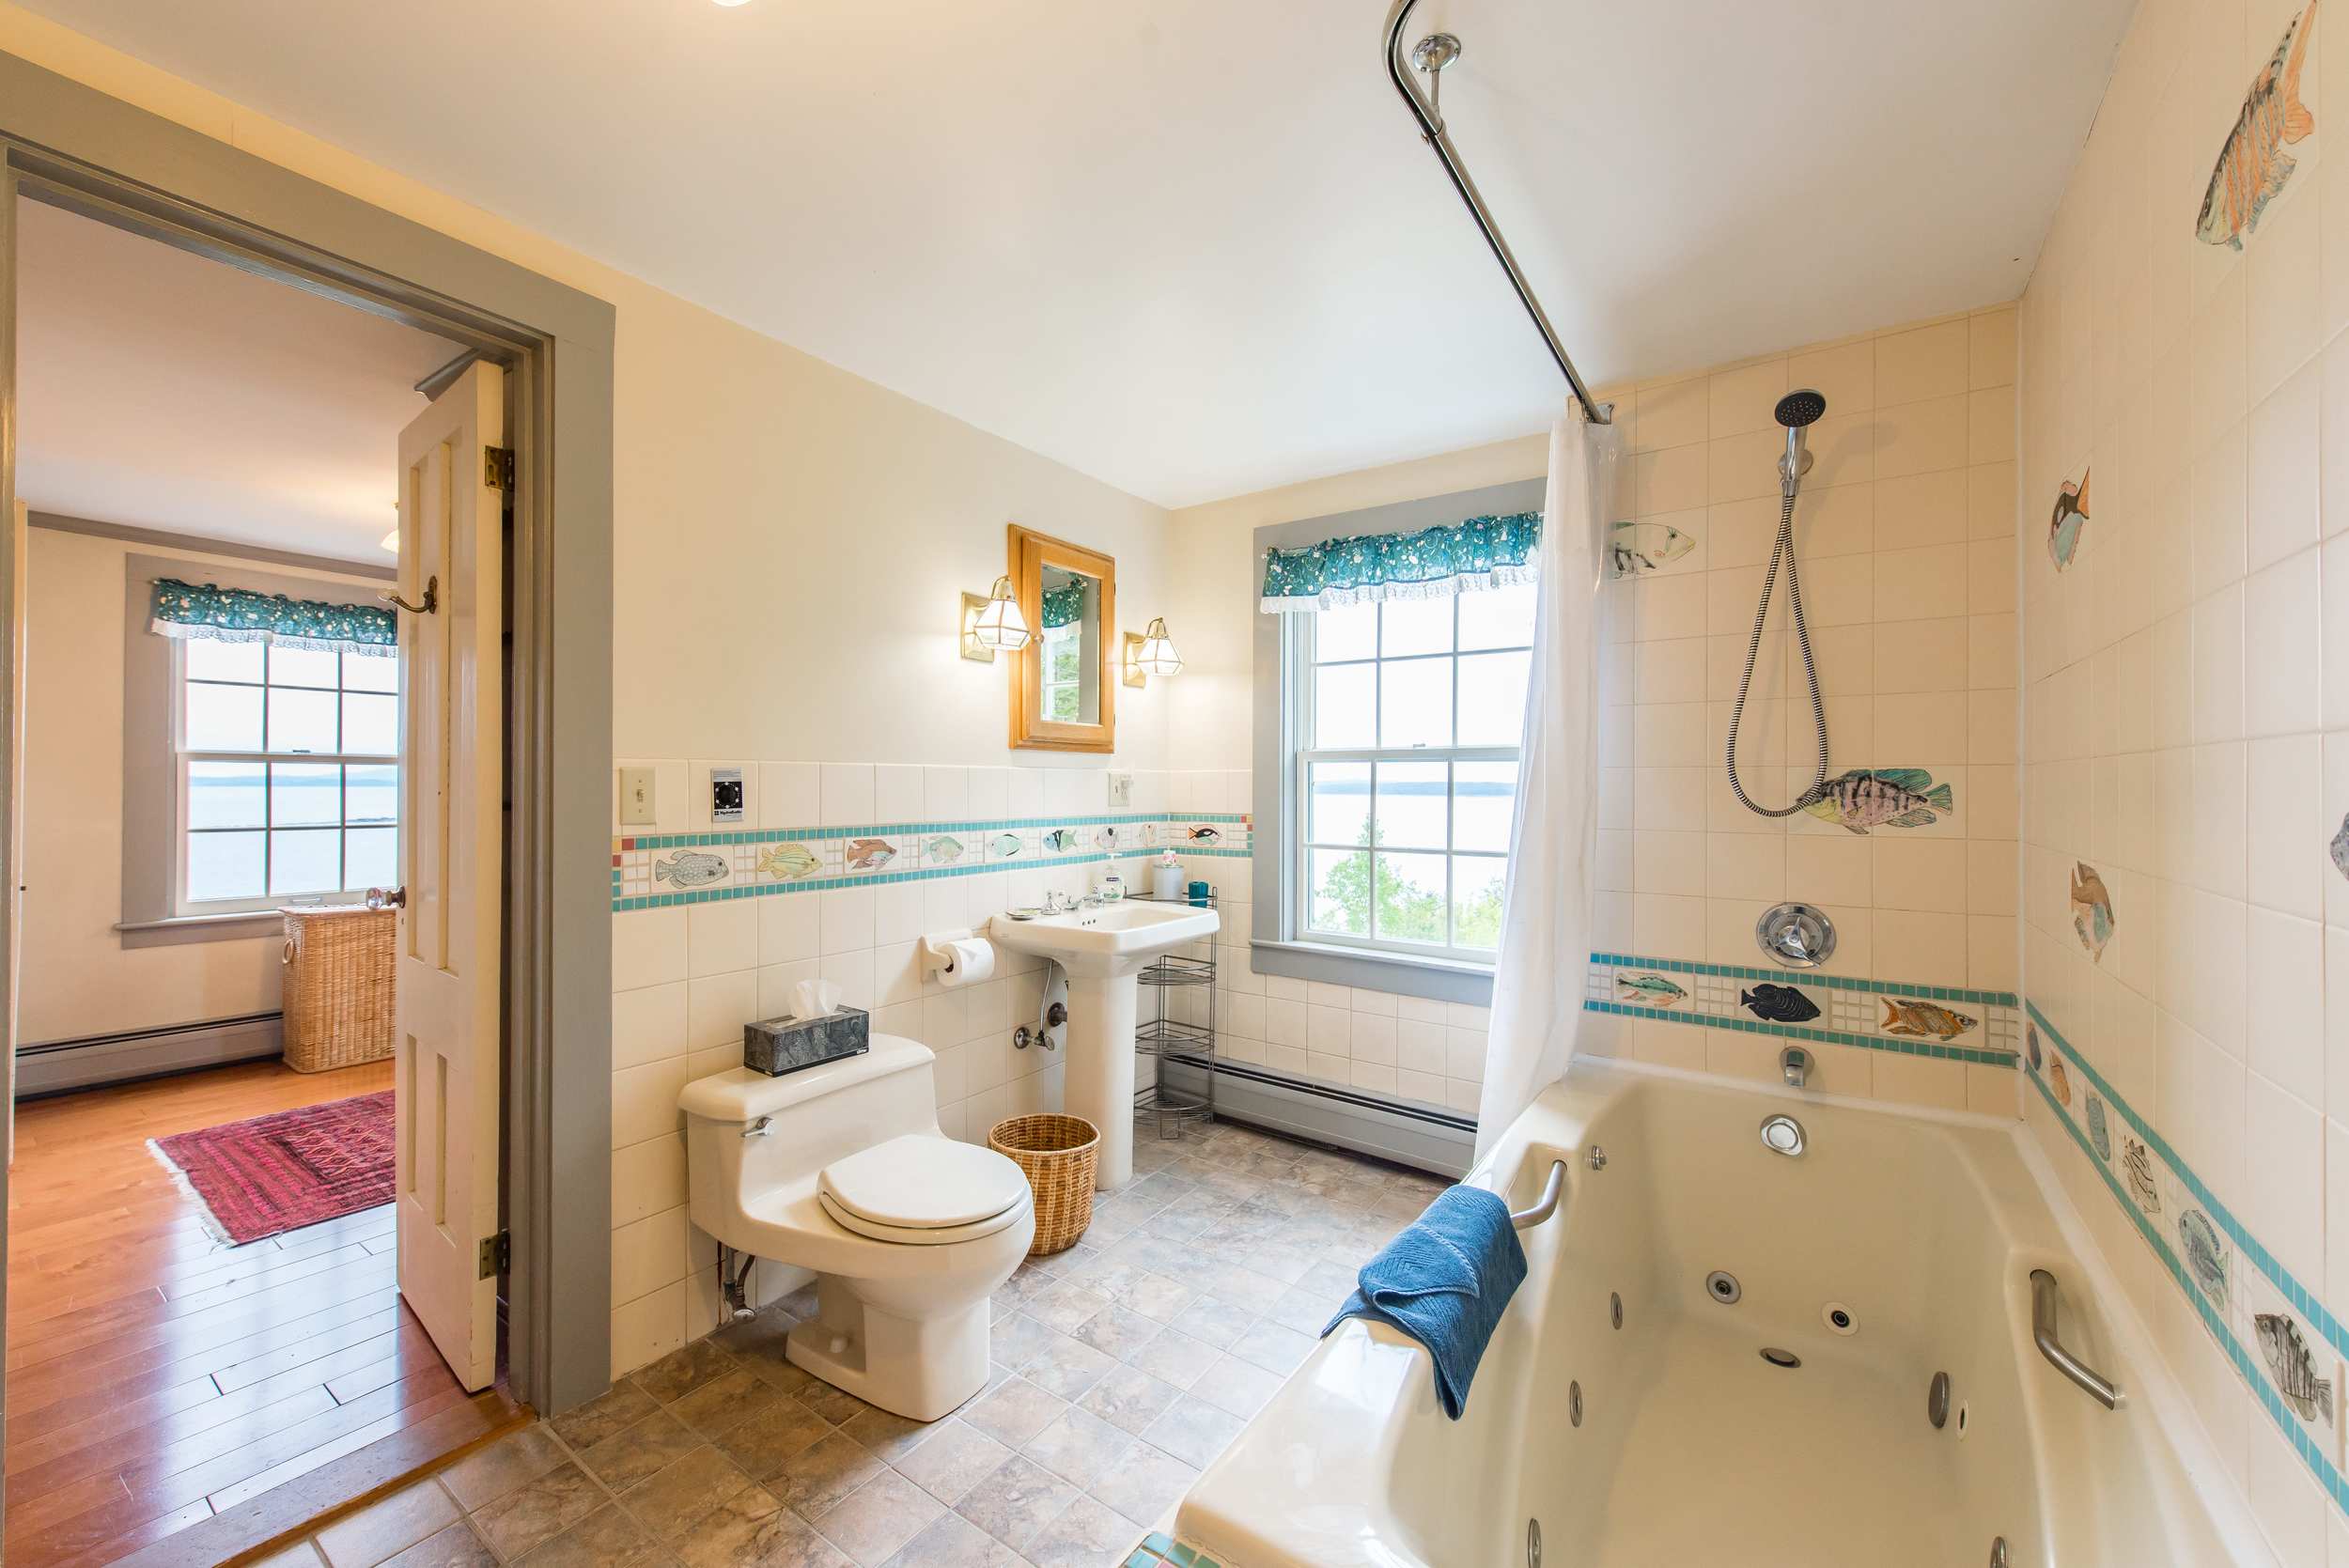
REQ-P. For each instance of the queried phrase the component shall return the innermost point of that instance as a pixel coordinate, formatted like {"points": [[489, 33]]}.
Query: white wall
{"points": [[78, 977]]}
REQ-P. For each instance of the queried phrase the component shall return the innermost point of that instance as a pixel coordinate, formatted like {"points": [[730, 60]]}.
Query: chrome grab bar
{"points": [[1525, 1219], [2043, 1334]]}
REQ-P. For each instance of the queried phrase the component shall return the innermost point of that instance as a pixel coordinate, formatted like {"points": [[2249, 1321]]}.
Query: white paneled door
{"points": [[451, 548]]}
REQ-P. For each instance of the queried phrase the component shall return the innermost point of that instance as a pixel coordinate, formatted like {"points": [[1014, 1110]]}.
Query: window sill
{"points": [[175, 930], [1437, 979]]}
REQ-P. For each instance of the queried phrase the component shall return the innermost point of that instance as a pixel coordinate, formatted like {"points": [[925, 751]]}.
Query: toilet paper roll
{"points": [[965, 961]]}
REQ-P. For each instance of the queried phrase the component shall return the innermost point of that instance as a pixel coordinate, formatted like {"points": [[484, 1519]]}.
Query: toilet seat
{"points": [[923, 1190]]}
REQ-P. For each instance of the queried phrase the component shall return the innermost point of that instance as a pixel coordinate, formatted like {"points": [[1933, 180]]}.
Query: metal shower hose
{"points": [[1784, 550]]}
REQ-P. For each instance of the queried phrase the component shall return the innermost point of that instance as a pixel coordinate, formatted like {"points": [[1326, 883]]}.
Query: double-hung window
{"points": [[1407, 716], [288, 774]]}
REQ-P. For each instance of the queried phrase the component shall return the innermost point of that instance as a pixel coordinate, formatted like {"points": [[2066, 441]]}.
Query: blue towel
{"points": [[1445, 1282]]}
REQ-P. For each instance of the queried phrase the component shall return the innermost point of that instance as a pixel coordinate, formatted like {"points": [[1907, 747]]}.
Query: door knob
{"points": [[387, 898]]}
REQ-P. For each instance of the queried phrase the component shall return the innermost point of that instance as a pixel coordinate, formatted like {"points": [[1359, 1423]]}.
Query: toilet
{"points": [[842, 1170]]}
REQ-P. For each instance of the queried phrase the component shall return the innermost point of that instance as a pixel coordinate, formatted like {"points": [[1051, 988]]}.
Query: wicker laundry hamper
{"points": [[1057, 1154], [339, 986]]}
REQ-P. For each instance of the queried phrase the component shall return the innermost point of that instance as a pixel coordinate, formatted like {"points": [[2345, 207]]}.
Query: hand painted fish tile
{"points": [[2031, 1044], [1004, 846], [2252, 165], [1111, 837], [943, 850], [2099, 1136], [2340, 848], [2289, 1361], [1651, 990], [1637, 548], [2066, 520], [1882, 798], [1204, 835], [690, 869], [2137, 1166], [1060, 840], [790, 862], [1920, 1019], [869, 854], [1778, 1003], [2204, 1251], [2091, 908], [2061, 1081]]}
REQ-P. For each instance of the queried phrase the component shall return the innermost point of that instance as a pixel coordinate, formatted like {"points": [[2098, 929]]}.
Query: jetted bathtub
{"points": [[1672, 1439]]}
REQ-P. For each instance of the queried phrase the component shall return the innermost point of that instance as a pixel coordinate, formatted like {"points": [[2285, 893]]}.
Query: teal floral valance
{"points": [[1433, 563], [211, 614], [1064, 606]]}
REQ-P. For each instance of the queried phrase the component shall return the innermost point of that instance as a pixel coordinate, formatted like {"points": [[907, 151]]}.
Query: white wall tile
{"points": [[896, 792], [847, 794], [647, 948], [791, 795], [722, 937]]}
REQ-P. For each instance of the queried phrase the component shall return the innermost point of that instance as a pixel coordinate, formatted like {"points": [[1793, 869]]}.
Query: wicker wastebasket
{"points": [[339, 986], [1057, 1154]]}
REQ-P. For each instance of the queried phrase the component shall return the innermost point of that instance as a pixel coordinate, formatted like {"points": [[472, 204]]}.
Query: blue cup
{"points": [[1199, 894]]}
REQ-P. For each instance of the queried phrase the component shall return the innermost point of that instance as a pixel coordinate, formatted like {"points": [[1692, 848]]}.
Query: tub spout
{"points": [[1795, 1062]]}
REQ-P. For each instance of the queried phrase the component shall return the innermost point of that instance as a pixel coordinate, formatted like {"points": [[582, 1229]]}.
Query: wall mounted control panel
{"points": [[725, 794]]}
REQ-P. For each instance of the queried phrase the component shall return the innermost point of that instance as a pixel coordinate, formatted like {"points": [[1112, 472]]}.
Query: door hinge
{"points": [[497, 1254], [497, 467]]}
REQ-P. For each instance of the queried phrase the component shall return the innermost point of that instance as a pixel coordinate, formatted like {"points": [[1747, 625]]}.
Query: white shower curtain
{"points": [[1546, 926]]}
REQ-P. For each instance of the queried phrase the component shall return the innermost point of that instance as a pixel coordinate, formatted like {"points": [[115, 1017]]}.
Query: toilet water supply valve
{"points": [[1053, 1014]]}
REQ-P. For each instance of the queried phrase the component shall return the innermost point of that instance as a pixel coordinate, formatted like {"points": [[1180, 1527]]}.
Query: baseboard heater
{"points": [[1442, 1141], [61, 1067]]}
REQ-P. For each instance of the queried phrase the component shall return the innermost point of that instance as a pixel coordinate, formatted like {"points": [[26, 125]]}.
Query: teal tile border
{"points": [[1808, 978], [647, 844], [711, 837], [2248, 1364], [1159, 1547], [1933, 1050]]}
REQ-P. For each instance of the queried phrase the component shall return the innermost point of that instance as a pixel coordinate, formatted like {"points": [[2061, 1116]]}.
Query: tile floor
{"points": [[1122, 1366]]}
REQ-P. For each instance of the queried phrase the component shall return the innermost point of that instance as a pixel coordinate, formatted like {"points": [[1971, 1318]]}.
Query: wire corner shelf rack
{"points": [[1179, 1028]]}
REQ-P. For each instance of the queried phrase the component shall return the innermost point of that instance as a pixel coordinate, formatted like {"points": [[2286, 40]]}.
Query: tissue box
{"points": [[779, 1046]]}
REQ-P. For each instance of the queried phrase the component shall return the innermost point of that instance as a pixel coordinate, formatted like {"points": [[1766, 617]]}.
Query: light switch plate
{"points": [[636, 797], [1121, 790], [725, 794]]}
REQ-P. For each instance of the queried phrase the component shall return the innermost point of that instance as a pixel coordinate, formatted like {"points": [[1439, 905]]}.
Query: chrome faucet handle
{"points": [[1091, 901]]}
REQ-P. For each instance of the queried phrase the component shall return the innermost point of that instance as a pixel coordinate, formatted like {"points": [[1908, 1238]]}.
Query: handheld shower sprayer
{"points": [[1798, 412]]}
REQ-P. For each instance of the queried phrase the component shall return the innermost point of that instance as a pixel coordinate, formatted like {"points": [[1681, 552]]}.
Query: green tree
{"points": [[1407, 913]]}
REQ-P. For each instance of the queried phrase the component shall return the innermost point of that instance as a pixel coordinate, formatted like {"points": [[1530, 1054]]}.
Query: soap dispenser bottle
{"points": [[1111, 887]]}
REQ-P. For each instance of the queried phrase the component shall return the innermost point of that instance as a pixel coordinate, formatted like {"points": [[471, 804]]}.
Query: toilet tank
{"points": [[816, 1116]]}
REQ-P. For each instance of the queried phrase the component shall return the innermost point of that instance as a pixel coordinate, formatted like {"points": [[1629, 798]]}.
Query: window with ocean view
{"points": [[287, 774], [1411, 714]]}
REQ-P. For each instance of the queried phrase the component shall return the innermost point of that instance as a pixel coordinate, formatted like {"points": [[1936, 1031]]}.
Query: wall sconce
{"points": [[991, 623], [1151, 653]]}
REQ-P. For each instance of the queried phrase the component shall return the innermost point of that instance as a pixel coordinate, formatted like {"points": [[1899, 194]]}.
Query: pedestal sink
{"points": [[1102, 950]]}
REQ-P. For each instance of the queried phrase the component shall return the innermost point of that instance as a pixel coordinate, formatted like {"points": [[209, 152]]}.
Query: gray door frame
{"points": [[69, 145]]}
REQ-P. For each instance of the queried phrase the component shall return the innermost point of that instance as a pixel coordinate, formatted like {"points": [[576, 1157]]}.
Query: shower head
{"points": [[1798, 408]]}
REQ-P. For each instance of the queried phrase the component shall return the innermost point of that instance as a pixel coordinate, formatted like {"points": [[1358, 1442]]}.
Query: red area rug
{"points": [[289, 1169]]}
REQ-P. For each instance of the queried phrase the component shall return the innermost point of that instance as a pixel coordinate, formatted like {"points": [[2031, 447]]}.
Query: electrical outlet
{"points": [[725, 794], [1121, 790], [636, 797]]}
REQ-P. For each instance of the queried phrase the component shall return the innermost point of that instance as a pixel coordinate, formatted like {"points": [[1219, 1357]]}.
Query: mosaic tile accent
{"points": [[656, 870], [1161, 1550], [1941, 1022], [2244, 1297]]}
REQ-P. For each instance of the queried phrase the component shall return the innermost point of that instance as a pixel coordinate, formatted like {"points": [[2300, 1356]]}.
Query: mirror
{"points": [[1061, 695]]}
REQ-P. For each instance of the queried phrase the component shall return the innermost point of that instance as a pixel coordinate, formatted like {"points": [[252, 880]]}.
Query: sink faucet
{"points": [[1795, 1062], [1091, 901], [1056, 902]]}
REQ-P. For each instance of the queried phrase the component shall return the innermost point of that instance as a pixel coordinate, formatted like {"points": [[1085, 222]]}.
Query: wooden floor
{"points": [[157, 1376]]}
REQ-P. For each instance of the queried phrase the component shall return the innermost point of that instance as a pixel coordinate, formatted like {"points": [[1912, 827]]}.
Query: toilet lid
{"points": [[923, 1182]]}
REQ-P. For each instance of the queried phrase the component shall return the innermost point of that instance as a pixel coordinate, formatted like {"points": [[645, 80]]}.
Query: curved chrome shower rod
{"points": [[1432, 131]]}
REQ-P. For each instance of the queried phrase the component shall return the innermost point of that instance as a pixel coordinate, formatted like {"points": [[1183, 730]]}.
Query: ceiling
{"points": [[160, 390], [1197, 250]]}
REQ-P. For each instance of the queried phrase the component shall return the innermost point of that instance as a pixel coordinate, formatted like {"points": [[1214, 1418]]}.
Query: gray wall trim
{"points": [[76, 147], [157, 538], [1274, 788], [1374, 971]]}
